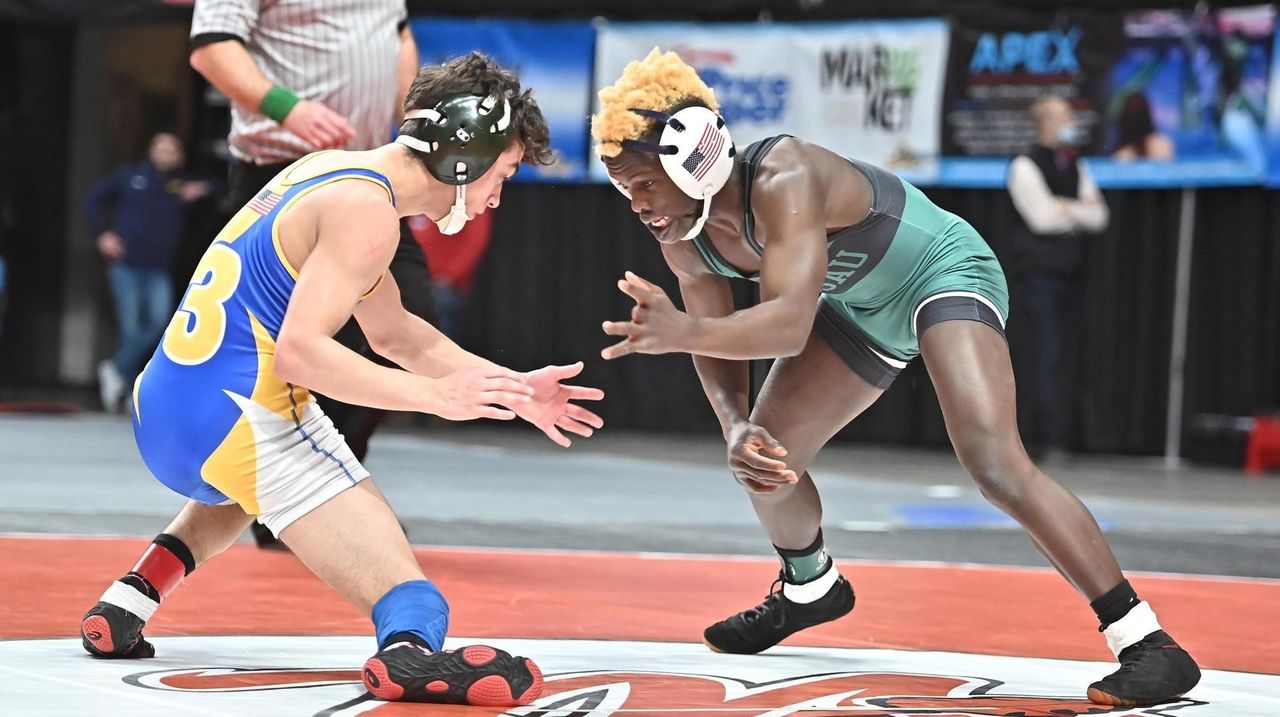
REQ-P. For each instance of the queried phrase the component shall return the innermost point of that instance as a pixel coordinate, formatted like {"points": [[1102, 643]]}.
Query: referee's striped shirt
{"points": [[341, 53]]}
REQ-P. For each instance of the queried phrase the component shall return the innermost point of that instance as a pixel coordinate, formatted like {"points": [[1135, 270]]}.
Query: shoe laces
{"points": [[772, 607], [1132, 657]]}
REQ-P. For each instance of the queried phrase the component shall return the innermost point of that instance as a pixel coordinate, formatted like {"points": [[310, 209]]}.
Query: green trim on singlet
{"points": [[717, 263], [750, 165]]}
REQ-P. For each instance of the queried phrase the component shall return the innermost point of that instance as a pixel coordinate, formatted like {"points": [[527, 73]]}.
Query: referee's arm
{"points": [[227, 65], [406, 69], [219, 31]]}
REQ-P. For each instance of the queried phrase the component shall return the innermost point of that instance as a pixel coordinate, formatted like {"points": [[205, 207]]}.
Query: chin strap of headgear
{"points": [[452, 222], [456, 144]]}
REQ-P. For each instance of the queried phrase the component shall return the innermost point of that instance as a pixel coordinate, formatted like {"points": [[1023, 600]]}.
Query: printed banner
{"points": [[553, 58], [1273, 117], [870, 90], [1163, 98], [998, 69]]}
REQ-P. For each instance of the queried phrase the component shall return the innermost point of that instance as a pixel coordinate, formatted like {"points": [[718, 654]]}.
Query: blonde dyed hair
{"points": [[658, 82]]}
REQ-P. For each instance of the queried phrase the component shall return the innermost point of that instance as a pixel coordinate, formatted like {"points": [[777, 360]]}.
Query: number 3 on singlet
{"points": [[196, 331]]}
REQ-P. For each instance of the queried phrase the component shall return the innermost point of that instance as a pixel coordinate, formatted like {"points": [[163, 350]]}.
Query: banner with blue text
{"points": [[1162, 98]]}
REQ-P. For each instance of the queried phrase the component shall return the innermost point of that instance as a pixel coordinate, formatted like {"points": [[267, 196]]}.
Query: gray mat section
{"points": [[511, 488]]}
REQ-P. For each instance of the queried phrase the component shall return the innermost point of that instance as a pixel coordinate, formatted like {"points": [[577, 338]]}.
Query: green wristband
{"points": [[278, 102]]}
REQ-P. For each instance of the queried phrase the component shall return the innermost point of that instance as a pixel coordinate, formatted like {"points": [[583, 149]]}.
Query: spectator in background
{"points": [[1138, 138], [454, 260], [1059, 205], [302, 76], [147, 203]]}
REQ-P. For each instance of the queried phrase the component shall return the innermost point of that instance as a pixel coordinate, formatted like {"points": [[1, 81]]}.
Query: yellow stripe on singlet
{"points": [[275, 224]]}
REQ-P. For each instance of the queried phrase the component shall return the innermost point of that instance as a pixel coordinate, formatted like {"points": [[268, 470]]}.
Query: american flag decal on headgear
{"points": [[265, 201], [704, 155]]}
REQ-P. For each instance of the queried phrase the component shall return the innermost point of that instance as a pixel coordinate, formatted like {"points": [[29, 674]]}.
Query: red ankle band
{"points": [[161, 568]]}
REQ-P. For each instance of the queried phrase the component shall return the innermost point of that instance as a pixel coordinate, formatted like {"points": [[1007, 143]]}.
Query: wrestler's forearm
{"points": [[770, 329], [727, 385], [427, 351], [323, 365]]}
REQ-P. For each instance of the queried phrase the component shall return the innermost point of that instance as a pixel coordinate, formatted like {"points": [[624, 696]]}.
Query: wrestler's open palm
{"points": [[551, 407], [477, 393]]}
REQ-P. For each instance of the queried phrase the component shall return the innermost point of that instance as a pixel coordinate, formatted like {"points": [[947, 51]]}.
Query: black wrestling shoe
{"points": [[474, 675], [1153, 670], [112, 632], [773, 620]]}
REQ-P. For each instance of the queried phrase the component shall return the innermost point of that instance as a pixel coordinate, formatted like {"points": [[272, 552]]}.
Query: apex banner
{"points": [[1163, 98]]}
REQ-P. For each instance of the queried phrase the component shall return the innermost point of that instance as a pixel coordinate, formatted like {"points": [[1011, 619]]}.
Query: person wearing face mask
{"points": [[859, 274], [1059, 206]]}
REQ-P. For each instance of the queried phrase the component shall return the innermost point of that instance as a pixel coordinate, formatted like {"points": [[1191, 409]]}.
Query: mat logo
{"points": [[670, 694]]}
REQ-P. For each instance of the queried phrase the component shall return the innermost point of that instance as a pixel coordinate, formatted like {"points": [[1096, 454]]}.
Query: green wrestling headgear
{"points": [[461, 138]]}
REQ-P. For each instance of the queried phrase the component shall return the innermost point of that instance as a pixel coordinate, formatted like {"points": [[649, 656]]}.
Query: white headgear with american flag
{"points": [[695, 150]]}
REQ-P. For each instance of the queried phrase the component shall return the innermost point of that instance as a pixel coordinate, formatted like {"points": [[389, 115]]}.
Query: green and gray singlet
{"points": [[906, 266]]}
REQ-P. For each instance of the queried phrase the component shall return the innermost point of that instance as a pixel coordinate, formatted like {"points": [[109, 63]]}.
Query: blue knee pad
{"points": [[417, 607]]}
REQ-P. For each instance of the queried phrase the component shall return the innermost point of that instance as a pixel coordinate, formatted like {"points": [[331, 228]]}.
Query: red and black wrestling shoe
{"points": [[111, 632], [475, 675]]}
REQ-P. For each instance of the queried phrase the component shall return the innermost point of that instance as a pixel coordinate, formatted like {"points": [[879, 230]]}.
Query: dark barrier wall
{"points": [[557, 252], [35, 72]]}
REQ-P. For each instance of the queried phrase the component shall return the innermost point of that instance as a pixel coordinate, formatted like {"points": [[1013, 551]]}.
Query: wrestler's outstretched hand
{"points": [[656, 325], [550, 407]]}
